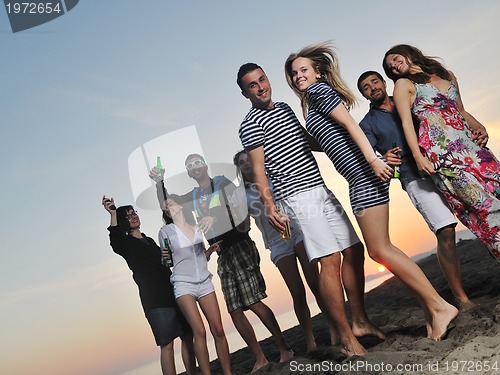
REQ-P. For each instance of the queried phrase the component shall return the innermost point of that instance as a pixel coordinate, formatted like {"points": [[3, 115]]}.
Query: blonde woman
{"points": [[313, 74]]}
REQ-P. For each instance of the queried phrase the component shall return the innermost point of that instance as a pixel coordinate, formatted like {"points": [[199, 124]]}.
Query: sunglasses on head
{"points": [[195, 164]]}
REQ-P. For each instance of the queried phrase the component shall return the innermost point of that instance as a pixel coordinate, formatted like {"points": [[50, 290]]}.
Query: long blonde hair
{"points": [[326, 63]]}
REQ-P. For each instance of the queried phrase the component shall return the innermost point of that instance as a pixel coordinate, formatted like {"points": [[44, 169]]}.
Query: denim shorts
{"points": [[167, 323], [281, 248], [197, 290]]}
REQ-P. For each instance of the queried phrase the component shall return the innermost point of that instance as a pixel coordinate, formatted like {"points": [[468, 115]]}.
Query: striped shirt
{"points": [[365, 188], [288, 159]]}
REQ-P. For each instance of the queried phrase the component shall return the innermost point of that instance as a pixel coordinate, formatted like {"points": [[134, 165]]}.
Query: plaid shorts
{"points": [[240, 277]]}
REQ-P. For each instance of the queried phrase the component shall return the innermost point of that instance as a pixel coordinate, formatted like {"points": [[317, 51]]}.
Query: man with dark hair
{"points": [[238, 263], [383, 129], [275, 140]]}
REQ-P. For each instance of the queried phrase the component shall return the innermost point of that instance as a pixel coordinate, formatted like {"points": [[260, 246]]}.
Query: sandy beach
{"points": [[472, 345]]}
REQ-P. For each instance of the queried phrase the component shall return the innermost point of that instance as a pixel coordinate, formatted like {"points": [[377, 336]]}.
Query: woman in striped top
{"points": [[313, 74]]}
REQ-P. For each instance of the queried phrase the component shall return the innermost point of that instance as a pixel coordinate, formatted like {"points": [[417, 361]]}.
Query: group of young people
{"points": [[445, 168]]}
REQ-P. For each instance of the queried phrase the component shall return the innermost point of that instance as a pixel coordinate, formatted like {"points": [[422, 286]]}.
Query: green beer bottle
{"points": [[167, 261], [395, 167], [159, 166]]}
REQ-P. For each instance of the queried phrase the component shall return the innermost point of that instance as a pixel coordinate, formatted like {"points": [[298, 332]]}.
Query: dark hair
{"points": [[236, 162], [414, 56], [244, 69], [366, 74], [181, 201], [166, 219], [197, 155], [121, 217]]}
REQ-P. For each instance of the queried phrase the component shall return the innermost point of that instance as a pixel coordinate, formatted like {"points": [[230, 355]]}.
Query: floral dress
{"points": [[467, 175]]}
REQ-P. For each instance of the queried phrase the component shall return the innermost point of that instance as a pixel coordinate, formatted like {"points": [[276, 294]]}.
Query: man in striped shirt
{"points": [[274, 139]]}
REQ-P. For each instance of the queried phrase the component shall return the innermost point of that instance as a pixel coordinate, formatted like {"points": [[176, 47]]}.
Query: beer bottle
{"points": [[160, 169], [287, 233], [395, 167], [167, 260]]}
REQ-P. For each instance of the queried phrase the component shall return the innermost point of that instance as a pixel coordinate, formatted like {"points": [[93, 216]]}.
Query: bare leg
{"points": [[353, 276], [331, 291], [167, 361], [290, 273], [267, 317], [210, 309], [247, 333], [374, 223], [187, 304], [188, 356], [311, 274], [449, 260]]}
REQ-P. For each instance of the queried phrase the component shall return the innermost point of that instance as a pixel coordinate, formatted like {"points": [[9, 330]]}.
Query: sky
{"points": [[82, 93]]}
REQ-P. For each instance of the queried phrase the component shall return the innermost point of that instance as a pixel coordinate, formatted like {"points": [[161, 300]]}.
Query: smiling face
{"points": [[133, 219], [196, 167], [397, 64], [373, 89], [257, 89], [303, 73]]}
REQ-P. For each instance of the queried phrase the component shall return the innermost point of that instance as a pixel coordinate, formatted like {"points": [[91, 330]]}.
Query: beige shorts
{"points": [[325, 225]]}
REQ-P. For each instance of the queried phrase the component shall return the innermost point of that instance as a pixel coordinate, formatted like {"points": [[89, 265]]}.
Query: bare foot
{"points": [[428, 326], [334, 337], [286, 355], [353, 348], [367, 329], [441, 320], [259, 365]]}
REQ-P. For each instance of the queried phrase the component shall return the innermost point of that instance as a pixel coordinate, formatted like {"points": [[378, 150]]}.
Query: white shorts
{"points": [[281, 248], [197, 290], [323, 221], [430, 203]]}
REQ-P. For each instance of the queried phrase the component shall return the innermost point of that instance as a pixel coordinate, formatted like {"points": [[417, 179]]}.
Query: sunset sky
{"points": [[84, 91]]}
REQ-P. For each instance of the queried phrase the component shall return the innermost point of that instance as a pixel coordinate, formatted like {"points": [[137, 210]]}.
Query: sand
{"points": [[472, 346]]}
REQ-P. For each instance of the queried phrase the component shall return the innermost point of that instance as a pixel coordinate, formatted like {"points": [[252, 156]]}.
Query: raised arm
{"points": [[109, 205], [344, 118], [404, 94], [479, 132], [273, 215]]}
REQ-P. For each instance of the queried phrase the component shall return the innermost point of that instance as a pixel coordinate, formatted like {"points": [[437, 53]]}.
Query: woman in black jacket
{"points": [[143, 257]]}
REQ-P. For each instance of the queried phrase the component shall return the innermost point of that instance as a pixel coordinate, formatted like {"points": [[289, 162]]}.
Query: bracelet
{"points": [[370, 163]]}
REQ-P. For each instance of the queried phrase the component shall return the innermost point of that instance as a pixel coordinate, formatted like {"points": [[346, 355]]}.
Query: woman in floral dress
{"points": [[450, 144]]}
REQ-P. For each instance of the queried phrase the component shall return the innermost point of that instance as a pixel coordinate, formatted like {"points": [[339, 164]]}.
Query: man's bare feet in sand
{"points": [[441, 320], [353, 348], [259, 365], [285, 355], [334, 338], [367, 329]]}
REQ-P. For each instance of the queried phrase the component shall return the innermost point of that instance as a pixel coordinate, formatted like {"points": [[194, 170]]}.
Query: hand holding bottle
{"points": [[392, 156], [109, 204], [157, 173]]}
